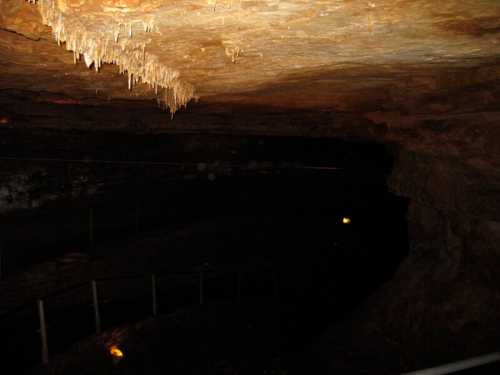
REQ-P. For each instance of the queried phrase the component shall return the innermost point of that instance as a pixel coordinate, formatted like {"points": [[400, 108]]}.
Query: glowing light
{"points": [[115, 352], [4, 120], [346, 220]]}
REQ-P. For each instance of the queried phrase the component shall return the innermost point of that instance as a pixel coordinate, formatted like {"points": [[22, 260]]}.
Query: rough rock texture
{"points": [[240, 47], [421, 76], [230, 46], [442, 303]]}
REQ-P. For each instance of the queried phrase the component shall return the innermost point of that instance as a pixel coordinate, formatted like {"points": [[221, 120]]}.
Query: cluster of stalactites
{"points": [[111, 47]]}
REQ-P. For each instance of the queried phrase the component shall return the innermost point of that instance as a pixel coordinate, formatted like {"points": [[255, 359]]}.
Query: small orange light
{"points": [[4, 120], [115, 352], [346, 220]]}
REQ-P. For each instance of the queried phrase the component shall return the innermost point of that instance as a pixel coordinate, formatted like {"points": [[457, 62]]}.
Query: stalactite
{"points": [[107, 47]]}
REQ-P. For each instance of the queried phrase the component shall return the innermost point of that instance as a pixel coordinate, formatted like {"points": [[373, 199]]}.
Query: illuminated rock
{"points": [[213, 48]]}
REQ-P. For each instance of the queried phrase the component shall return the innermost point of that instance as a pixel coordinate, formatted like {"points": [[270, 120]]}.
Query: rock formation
{"points": [[420, 76]]}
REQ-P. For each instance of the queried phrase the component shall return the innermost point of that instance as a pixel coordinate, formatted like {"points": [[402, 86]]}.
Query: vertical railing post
{"points": [[91, 228], [201, 287], [95, 301], [43, 333], [154, 296]]}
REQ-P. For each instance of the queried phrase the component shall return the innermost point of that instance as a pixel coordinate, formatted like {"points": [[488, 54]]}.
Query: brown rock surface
{"points": [[299, 53], [422, 76]]}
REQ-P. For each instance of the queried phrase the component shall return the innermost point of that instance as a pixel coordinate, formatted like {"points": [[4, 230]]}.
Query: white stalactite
{"points": [[129, 55]]}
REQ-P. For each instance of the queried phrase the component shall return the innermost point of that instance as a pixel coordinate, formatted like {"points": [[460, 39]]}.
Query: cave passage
{"points": [[310, 222]]}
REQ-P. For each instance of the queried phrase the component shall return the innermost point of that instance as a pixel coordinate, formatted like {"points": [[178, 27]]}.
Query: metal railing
{"points": [[453, 367], [199, 274]]}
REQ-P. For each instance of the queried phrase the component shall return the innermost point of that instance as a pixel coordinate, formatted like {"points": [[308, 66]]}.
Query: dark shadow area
{"points": [[293, 233]]}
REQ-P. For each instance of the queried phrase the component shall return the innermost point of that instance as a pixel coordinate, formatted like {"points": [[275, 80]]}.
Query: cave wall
{"points": [[440, 117], [451, 276], [442, 125], [443, 302]]}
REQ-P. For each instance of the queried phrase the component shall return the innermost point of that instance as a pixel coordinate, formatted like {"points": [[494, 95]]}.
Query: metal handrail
{"points": [[458, 366], [437, 370], [128, 276], [29, 304], [200, 272]]}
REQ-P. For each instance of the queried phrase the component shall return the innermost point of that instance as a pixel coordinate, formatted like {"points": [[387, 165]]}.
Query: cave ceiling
{"points": [[290, 52], [398, 62], [418, 74]]}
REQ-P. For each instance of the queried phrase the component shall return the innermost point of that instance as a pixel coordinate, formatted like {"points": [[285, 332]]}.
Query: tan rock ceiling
{"points": [[294, 52]]}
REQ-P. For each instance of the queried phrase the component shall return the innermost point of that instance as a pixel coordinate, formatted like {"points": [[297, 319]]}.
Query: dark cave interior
{"points": [[309, 223], [322, 198]]}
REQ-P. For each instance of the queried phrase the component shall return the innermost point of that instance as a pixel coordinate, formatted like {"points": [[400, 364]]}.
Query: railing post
{"points": [[96, 307], [153, 290], [201, 287], [43, 333]]}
